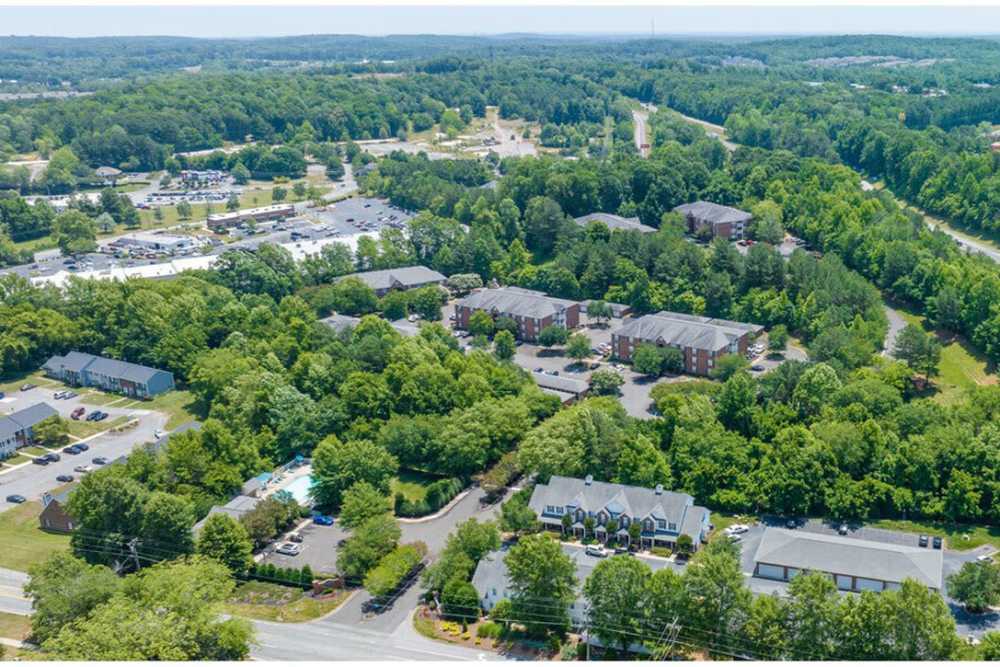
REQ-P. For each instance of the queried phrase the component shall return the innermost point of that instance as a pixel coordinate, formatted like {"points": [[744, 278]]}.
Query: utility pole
{"points": [[668, 637]]}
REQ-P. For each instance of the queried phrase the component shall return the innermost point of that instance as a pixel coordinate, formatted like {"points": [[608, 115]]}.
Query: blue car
{"points": [[322, 520]]}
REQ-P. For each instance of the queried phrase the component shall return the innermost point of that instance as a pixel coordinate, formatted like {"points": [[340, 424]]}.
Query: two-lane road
{"points": [[12, 599]]}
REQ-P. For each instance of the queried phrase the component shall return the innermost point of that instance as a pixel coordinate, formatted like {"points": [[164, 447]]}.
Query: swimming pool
{"points": [[299, 488]]}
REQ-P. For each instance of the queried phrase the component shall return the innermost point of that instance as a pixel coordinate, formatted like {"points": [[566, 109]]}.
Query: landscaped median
{"points": [[282, 604]]}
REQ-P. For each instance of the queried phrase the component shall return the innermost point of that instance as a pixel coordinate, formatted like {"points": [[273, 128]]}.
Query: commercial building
{"points": [[171, 243], [221, 221], [122, 377], [662, 515], [724, 221], [531, 310], [17, 428], [403, 278], [54, 515], [854, 564], [702, 340], [614, 222]]}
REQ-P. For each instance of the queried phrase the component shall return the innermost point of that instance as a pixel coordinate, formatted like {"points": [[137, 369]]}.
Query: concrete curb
{"points": [[441, 512]]}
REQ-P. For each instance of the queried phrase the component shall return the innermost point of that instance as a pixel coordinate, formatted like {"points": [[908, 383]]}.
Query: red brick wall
{"points": [[573, 316]]}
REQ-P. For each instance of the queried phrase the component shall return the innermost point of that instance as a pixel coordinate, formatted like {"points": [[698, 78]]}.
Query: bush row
{"points": [[286, 576], [438, 495], [394, 567]]}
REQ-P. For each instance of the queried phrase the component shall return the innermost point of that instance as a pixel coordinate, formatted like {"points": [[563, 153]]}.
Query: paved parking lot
{"points": [[319, 548]]}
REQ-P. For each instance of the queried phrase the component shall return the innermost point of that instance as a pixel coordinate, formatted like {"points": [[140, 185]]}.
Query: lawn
{"points": [[412, 484], [84, 429], [14, 626], [100, 398], [16, 459], [957, 536], [24, 542], [962, 367], [13, 386], [280, 604], [178, 404], [34, 451]]}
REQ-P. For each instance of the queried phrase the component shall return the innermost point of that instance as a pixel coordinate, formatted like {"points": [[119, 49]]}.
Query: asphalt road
{"points": [[12, 600], [639, 120]]}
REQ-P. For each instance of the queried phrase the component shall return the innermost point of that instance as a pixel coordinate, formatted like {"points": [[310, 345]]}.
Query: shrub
{"points": [[394, 567], [438, 494], [661, 551], [489, 630]]}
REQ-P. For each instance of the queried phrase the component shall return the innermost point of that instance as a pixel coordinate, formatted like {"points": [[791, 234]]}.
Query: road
{"points": [[896, 324], [639, 119], [12, 600]]}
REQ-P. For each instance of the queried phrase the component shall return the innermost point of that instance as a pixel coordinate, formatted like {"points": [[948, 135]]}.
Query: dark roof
{"points": [[124, 370], [516, 301], [33, 414], [614, 222], [404, 277], [707, 211]]}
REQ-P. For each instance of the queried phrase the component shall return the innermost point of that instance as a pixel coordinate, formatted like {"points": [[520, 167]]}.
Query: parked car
{"points": [[72, 449], [64, 478], [71, 394], [100, 461], [923, 540], [791, 524], [52, 457], [295, 537], [79, 412], [985, 558], [842, 529], [736, 529], [40, 461], [27, 385], [937, 542], [82, 446], [93, 415], [101, 416], [82, 469], [596, 550], [322, 520], [757, 368], [289, 549], [622, 550], [15, 498], [60, 395]]}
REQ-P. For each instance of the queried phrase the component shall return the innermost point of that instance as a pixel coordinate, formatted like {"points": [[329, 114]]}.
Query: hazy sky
{"points": [[290, 20]]}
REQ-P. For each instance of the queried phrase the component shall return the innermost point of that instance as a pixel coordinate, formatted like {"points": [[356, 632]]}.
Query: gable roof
{"points": [[516, 301], [849, 556], [559, 383], [31, 415], [712, 213], [74, 362], [402, 277], [614, 222], [685, 330], [124, 370]]}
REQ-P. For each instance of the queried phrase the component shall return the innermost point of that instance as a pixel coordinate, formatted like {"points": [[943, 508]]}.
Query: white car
{"points": [[596, 550], [289, 549], [985, 558], [736, 529]]}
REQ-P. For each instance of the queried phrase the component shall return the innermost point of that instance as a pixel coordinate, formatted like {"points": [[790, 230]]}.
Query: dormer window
{"points": [[661, 524], [673, 526]]}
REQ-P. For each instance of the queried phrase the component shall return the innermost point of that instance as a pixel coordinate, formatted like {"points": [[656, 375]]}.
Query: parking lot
{"points": [[319, 548]]}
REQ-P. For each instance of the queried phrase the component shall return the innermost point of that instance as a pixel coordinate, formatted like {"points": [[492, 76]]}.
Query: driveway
{"points": [[896, 324], [12, 599]]}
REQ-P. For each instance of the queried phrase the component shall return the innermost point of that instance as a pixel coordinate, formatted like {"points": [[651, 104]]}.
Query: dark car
{"points": [[40, 461], [791, 524], [82, 446], [100, 461], [621, 550], [295, 538], [937, 542], [15, 498], [923, 540], [79, 412], [93, 415], [64, 478], [72, 449], [101, 416], [52, 457]]}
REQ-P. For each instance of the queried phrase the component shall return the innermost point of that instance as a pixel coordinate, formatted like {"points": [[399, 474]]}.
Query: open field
{"points": [[960, 537], [280, 604], [24, 542], [178, 404], [412, 484], [14, 626], [11, 386], [79, 428]]}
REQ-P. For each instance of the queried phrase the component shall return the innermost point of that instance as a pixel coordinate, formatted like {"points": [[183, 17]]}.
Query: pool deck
{"points": [[290, 481]]}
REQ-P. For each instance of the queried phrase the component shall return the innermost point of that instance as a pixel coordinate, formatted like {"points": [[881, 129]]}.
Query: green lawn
{"points": [[95, 397], [14, 626], [280, 604], [23, 541], [956, 536], [16, 459], [178, 404], [34, 451], [962, 367], [84, 429], [412, 484], [14, 385]]}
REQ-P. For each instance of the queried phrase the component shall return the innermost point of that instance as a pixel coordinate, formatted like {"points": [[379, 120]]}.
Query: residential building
{"points": [[724, 221], [341, 323], [17, 428], [854, 564], [122, 377], [220, 221], [702, 340], [567, 389], [614, 222], [531, 310], [492, 584], [235, 508], [663, 515], [618, 310], [403, 278], [54, 515]]}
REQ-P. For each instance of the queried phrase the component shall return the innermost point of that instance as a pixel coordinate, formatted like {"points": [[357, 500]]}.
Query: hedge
{"points": [[438, 494], [290, 576], [394, 567]]}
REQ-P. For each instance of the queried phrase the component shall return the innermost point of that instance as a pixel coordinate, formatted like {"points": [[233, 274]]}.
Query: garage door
{"points": [[770, 571]]}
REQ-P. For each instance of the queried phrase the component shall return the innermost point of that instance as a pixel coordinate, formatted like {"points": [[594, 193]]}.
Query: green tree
{"points": [[815, 388], [736, 402], [361, 502], [606, 382], [184, 210], [279, 193], [64, 588], [74, 232], [976, 585], [719, 598], [647, 359], [52, 432], [989, 646], [339, 465], [481, 324], [233, 203], [241, 175], [227, 541], [504, 346], [777, 338], [299, 189], [552, 335], [920, 350], [812, 616], [166, 525], [599, 311], [578, 347], [539, 570], [460, 601], [617, 590], [728, 365], [366, 546]]}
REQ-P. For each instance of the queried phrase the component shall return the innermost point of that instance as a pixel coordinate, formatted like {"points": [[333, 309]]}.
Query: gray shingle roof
{"points": [[614, 222], [559, 383], [684, 330], [124, 370], [72, 361], [404, 277], [31, 415], [707, 211], [849, 556], [341, 322], [8, 428], [516, 301], [634, 501]]}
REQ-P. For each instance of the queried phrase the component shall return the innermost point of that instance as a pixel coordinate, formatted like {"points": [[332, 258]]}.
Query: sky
{"points": [[255, 21]]}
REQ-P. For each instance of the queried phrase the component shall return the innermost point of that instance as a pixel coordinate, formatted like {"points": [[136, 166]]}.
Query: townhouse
{"points": [[122, 377], [702, 340], [17, 428], [663, 515], [531, 310]]}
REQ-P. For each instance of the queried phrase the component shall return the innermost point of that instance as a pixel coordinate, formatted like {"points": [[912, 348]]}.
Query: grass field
{"points": [[15, 460], [84, 429], [962, 367], [412, 484], [956, 536], [14, 626], [14, 385], [178, 404], [100, 398], [23, 542], [280, 604]]}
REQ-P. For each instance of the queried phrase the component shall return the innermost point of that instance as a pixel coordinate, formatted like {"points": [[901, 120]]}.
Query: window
{"points": [[550, 509], [661, 524], [560, 510], [673, 526]]}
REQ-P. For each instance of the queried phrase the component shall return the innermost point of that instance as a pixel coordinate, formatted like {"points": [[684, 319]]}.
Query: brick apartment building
{"points": [[533, 311], [702, 340], [724, 221]]}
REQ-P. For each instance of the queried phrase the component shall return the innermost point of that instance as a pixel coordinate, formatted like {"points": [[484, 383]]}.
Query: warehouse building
{"points": [[221, 221]]}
